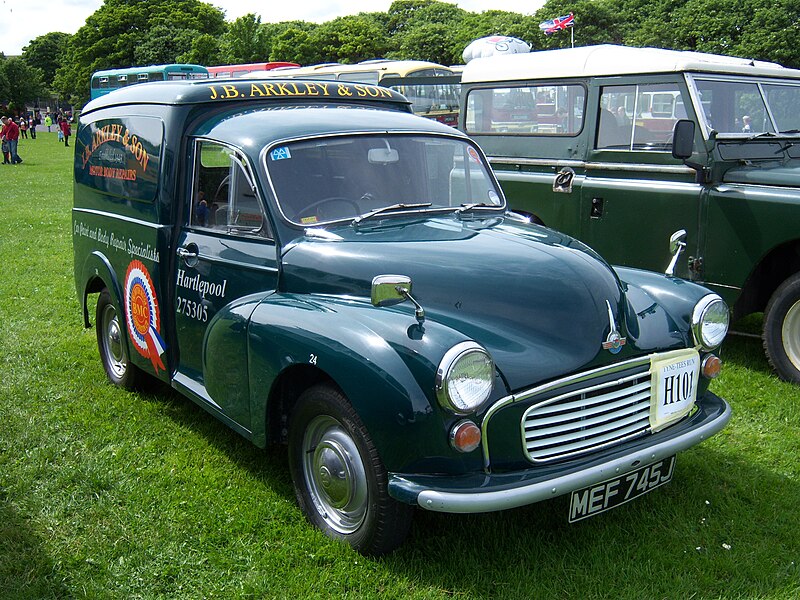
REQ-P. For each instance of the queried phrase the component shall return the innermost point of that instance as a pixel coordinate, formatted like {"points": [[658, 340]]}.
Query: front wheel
{"points": [[782, 329], [113, 346], [339, 479]]}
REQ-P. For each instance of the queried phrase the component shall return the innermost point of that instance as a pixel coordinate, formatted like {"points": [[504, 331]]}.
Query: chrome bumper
{"points": [[493, 493]]}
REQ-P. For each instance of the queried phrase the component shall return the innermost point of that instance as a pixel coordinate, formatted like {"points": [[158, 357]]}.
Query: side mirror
{"points": [[683, 139], [387, 289], [677, 242]]}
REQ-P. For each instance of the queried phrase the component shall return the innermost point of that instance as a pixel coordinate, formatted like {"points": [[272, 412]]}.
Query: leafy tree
{"points": [[350, 39], [246, 41], [292, 41], [20, 83], [112, 34], [205, 50], [163, 45], [47, 52]]}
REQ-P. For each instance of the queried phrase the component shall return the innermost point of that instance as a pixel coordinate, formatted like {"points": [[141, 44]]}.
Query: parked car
{"points": [[316, 266], [582, 140]]}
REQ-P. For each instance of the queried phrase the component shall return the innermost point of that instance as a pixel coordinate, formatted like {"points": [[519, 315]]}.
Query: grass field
{"points": [[110, 494]]}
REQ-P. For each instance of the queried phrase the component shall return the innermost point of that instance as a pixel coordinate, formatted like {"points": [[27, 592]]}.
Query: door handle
{"points": [[189, 255]]}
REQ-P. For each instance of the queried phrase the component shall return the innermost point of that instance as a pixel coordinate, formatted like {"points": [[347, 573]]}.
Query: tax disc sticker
{"points": [[142, 315]]}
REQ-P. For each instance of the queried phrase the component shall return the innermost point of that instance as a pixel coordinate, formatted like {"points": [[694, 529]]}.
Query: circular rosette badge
{"points": [[142, 314]]}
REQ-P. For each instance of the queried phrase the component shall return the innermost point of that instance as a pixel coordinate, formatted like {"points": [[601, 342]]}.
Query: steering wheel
{"points": [[310, 209]]}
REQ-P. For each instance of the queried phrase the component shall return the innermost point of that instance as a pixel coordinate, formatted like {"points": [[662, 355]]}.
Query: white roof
{"points": [[609, 60]]}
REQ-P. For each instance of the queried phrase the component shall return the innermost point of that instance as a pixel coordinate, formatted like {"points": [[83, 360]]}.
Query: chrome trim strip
{"points": [[535, 162], [472, 502], [581, 164], [640, 168]]}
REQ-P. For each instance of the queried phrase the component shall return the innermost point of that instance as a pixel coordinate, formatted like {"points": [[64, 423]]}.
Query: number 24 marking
{"points": [[312, 359]]}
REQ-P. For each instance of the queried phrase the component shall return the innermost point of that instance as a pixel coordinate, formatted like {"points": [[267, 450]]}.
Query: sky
{"points": [[24, 20]]}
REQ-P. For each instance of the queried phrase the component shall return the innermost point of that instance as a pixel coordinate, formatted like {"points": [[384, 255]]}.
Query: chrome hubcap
{"points": [[334, 474], [790, 334], [113, 346]]}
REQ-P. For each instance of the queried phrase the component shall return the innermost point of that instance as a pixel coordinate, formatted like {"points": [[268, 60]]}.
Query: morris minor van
{"points": [[585, 140], [316, 266]]}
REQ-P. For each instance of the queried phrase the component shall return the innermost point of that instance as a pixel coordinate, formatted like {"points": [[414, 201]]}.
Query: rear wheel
{"points": [[113, 346], [339, 479], [782, 329]]}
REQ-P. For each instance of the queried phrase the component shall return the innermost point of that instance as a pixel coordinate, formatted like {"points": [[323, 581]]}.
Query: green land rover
{"points": [[316, 266], [632, 150]]}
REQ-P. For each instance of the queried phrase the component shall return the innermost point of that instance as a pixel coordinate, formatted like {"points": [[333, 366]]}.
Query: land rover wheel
{"points": [[782, 329], [339, 479], [113, 346]]}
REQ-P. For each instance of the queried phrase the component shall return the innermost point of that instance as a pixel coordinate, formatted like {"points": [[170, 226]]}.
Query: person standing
{"points": [[48, 122], [23, 128], [32, 127], [10, 135], [65, 129]]}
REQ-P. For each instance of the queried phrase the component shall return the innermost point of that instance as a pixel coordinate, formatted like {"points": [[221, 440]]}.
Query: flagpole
{"points": [[572, 35]]}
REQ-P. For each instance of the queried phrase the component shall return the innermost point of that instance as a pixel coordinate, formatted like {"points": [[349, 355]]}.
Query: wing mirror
{"points": [[677, 242], [388, 290]]}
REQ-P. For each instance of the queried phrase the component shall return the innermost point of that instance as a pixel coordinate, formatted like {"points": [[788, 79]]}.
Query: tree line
{"points": [[123, 33]]}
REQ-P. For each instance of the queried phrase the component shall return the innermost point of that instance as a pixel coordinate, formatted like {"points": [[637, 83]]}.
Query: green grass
{"points": [[111, 494]]}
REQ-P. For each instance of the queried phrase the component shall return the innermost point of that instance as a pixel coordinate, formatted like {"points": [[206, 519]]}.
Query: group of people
{"points": [[15, 127]]}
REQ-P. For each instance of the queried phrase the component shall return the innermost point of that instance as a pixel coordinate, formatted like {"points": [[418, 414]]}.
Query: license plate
{"points": [[673, 386], [600, 497]]}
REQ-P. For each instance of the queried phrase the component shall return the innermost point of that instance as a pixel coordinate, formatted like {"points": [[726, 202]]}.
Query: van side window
{"points": [[529, 110], [224, 198], [639, 117]]}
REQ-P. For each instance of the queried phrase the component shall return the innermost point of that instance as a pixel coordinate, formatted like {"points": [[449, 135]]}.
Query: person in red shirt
{"points": [[10, 135], [65, 129]]}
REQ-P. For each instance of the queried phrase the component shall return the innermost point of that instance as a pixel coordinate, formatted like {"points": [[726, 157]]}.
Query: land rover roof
{"points": [[609, 60], [219, 91]]}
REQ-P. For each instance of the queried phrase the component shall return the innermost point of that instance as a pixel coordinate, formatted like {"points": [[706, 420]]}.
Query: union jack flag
{"points": [[557, 24]]}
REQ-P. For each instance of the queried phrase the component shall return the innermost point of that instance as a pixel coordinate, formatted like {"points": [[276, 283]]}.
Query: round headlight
{"points": [[710, 321], [464, 378]]}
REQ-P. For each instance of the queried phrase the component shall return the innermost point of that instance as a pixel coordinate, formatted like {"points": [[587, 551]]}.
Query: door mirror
{"points": [[683, 139]]}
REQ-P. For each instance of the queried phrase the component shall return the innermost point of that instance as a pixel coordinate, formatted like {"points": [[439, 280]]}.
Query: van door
{"points": [[533, 135], [226, 255], [635, 194]]}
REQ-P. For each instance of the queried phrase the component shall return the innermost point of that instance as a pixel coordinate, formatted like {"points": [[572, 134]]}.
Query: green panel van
{"points": [[641, 151], [317, 267]]}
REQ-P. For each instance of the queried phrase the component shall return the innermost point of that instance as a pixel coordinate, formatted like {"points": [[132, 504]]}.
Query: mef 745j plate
{"points": [[609, 494]]}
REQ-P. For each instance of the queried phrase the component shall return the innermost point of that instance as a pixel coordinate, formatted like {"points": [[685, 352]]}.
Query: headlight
{"points": [[464, 378], [710, 321]]}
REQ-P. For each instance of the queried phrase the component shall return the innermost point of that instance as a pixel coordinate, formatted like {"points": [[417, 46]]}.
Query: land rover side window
{"points": [[224, 198], [529, 110], [342, 177], [639, 117], [738, 106]]}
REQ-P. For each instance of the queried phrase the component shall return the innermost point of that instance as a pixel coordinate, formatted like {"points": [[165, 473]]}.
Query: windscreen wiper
{"points": [[472, 205], [390, 208]]}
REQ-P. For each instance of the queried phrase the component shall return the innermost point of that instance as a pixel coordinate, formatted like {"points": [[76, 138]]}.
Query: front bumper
{"points": [[480, 492]]}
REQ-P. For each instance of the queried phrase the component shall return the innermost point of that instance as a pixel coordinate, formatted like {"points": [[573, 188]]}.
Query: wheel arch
{"points": [[773, 269], [97, 274]]}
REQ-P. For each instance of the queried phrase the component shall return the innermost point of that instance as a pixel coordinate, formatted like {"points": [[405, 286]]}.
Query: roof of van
{"points": [[610, 60], [223, 91]]}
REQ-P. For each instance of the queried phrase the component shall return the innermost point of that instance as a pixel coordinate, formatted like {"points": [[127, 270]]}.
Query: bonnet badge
{"points": [[614, 342]]}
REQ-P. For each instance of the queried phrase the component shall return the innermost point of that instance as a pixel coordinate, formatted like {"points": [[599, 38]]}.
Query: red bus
{"points": [[242, 70]]}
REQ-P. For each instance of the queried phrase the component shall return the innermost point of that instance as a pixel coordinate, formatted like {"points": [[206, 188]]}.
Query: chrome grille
{"points": [[587, 419]]}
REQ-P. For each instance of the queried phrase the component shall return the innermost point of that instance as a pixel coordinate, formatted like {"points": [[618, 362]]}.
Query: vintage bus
{"points": [[109, 80], [433, 89], [222, 71]]}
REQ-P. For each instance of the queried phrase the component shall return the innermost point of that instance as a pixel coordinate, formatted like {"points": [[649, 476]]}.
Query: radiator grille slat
{"points": [[597, 415]]}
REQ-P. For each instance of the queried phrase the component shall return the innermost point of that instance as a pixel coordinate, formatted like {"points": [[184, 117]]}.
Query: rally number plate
{"points": [[600, 497]]}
